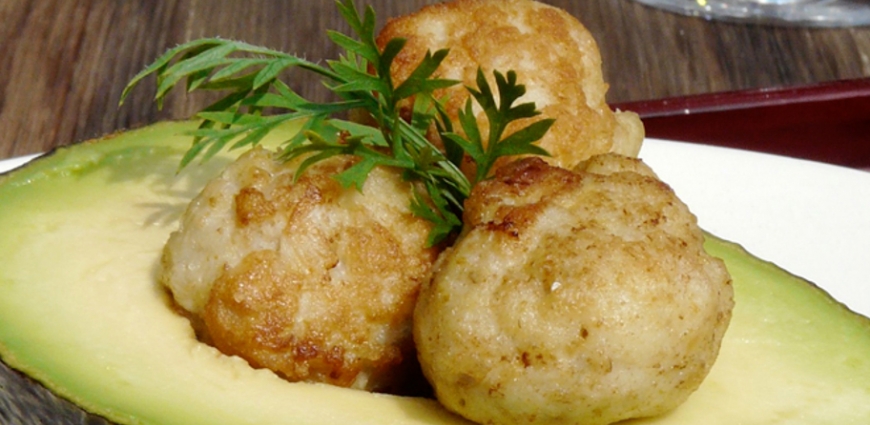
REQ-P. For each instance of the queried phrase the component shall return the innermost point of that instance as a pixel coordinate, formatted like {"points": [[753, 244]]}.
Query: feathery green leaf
{"points": [[361, 79]]}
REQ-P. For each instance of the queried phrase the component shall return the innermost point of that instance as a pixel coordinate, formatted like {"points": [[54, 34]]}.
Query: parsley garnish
{"points": [[360, 79]]}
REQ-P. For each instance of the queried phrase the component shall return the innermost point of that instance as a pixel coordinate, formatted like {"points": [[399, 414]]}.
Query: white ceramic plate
{"points": [[811, 219]]}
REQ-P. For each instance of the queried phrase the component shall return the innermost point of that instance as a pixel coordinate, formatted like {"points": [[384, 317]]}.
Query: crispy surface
{"points": [[308, 279], [573, 297], [553, 54]]}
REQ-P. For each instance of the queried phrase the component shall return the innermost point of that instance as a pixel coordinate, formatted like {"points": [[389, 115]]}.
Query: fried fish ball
{"points": [[573, 297], [311, 280], [553, 54]]}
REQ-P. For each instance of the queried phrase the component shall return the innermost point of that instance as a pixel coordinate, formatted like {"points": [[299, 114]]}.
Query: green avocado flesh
{"points": [[81, 232]]}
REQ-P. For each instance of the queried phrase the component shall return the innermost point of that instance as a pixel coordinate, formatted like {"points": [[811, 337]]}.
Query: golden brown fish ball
{"points": [[311, 280], [553, 54], [573, 297]]}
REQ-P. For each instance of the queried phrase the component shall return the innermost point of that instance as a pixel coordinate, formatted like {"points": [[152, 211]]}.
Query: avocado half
{"points": [[81, 311]]}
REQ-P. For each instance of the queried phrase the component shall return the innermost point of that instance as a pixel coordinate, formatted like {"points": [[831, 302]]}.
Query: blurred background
{"points": [[63, 63]]}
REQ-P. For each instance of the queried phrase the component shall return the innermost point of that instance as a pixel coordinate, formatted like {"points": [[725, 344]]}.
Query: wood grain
{"points": [[65, 62], [23, 401]]}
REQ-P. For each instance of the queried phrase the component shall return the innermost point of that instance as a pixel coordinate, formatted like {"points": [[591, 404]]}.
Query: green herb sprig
{"points": [[361, 80]]}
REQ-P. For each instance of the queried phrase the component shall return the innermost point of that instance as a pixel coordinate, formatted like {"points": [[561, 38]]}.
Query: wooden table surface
{"points": [[63, 63]]}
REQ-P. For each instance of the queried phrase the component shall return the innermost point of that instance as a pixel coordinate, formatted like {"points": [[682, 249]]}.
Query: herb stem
{"points": [[361, 79]]}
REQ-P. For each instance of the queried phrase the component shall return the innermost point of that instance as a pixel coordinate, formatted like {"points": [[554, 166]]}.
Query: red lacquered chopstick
{"points": [[827, 122]]}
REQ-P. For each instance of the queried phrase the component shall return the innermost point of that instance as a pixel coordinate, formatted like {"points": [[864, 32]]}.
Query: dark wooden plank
{"points": [[23, 401], [63, 64], [66, 62]]}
